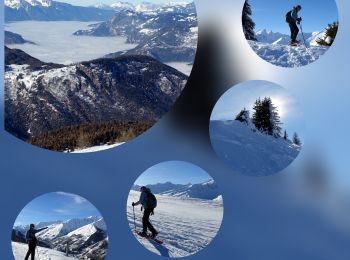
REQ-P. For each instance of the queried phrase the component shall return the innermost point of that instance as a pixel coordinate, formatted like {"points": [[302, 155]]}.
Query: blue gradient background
{"points": [[301, 213]]}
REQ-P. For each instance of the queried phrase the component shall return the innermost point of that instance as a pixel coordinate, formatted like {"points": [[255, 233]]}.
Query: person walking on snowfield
{"points": [[32, 241], [149, 203], [292, 19]]}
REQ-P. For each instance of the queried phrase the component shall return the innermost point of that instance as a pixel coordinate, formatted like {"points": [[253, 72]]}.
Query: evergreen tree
{"points": [[331, 33], [243, 116], [285, 135], [266, 118], [296, 139], [247, 22]]}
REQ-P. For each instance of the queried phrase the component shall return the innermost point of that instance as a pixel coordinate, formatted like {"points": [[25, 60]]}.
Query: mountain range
{"points": [[167, 34], [86, 237], [207, 190], [41, 97], [267, 36], [48, 10]]}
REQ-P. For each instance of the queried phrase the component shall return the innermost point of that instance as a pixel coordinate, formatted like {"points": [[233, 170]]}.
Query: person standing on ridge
{"points": [[32, 241], [149, 203], [292, 19]]}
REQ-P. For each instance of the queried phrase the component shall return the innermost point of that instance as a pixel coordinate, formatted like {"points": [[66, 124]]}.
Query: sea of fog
{"points": [[183, 67], [56, 43]]}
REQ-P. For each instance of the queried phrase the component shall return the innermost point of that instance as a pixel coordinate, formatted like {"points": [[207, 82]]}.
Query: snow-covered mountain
{"points": [[42, 97], [118, 6], [185, 225], [82, 236], [22, 3], [206, 190], [268, 36], [168, 34], [251, 152], [60, 229], [143, 7], [48, 10]]}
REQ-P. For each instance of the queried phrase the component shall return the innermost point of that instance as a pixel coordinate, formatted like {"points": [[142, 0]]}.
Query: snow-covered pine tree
{"points": [[266, 118], [331, 33], [259, 118], [275, 121], [247, 22], [296, 139], [285, 135], [243, 116]]}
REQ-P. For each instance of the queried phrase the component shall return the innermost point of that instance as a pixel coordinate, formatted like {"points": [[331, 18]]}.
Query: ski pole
{"points": [[133, 209], [302, 32]]}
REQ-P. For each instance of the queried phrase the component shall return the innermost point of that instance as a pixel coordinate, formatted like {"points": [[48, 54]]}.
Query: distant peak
{"points": [[18, 3]]}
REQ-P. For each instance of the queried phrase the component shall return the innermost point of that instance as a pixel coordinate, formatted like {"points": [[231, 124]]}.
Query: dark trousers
{"points": [[145, 221], [294, 30], [31, 251]]}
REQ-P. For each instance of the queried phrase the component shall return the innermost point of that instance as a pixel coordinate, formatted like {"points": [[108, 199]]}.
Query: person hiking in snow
{"points": [[32, 241], [148, 202], [292, 19]]}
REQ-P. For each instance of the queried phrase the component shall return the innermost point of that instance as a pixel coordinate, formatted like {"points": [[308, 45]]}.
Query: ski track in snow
{"points": [[20, 251], [288, 56], [251, 153], [185, 225]]}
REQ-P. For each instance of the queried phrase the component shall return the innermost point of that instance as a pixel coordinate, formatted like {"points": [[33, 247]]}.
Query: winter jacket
{"points": [[294, 14], [30, 236], [143, 198]]}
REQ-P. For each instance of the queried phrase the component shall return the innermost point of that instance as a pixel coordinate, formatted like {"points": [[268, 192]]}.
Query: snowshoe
{"points": [[294, 44], [149, 237]]}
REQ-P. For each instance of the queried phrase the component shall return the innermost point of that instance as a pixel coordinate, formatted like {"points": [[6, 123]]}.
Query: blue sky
{"points": [[177, 172], [56, 206], [92, 2], [244, 96], [270, 14]]}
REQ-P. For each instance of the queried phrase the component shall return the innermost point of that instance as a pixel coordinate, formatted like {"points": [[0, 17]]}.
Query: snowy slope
{"points": [[185, 225], [96, 148], [287, 56], [20, 250], [251, 153]]}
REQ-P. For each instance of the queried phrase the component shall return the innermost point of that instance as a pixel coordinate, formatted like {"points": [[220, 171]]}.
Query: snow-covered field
{"points": [[288, 56], [185, 225], [20, 251], [251, 153], [56, 43]]}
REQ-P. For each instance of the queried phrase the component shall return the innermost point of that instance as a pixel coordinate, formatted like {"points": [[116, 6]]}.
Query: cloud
{"points": [[76, 199], [61, 211]]}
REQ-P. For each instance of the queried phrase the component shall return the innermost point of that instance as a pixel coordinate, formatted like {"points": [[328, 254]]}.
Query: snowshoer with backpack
{"points": [[149, 203], [32, 241], [293, 19]]}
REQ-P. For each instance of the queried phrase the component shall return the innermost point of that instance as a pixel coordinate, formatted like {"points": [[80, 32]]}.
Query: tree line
{"points": [[87, 135], [266, 119]]}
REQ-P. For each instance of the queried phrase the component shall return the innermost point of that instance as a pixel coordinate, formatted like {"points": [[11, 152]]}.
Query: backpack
{"points": [[289, 18], [151, 201]]}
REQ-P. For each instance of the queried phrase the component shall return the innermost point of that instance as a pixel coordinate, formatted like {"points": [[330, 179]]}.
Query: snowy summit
{"points": [[16, 4]]}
